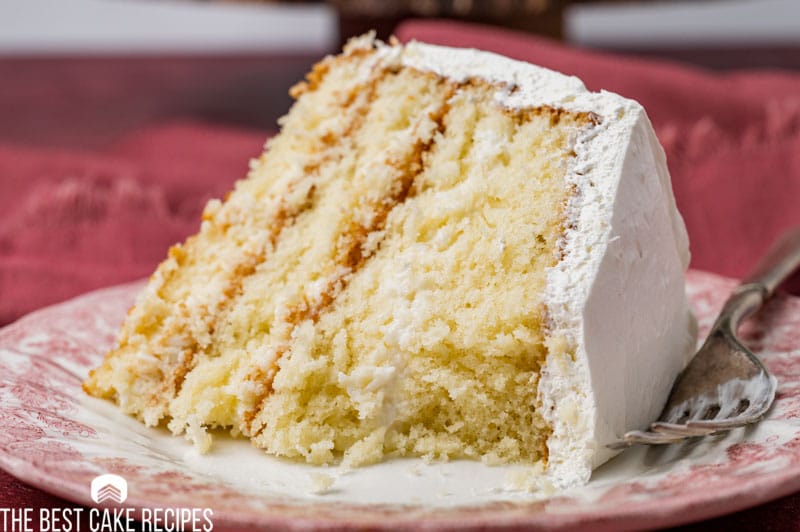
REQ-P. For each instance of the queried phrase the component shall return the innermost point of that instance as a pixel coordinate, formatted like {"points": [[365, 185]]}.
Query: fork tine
{"points": [[757, 409], [725, 385], [724, 424], [687, 430], [663, 432], [644, 437], [650, 438]]}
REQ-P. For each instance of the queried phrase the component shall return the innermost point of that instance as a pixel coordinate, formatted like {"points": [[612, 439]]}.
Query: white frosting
{"points": [[617, 297]]}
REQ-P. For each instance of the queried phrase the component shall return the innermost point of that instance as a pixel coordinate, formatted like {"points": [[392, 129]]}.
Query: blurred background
{"points": [[215, 57]]}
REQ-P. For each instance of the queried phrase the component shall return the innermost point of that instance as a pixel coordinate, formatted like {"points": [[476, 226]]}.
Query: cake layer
{"points": [[308, 311], [444, 253], [434, 347], [174, 318], [372, 171]]}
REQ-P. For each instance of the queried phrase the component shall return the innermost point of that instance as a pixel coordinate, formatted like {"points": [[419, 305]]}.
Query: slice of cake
{"points": [[444, 253]]}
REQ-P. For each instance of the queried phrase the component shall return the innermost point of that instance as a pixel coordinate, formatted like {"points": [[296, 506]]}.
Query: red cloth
{"points": [[76, 221], [71, 221]]}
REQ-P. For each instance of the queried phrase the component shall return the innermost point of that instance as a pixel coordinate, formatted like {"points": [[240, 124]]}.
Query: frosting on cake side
{"points": [[623, 314]]}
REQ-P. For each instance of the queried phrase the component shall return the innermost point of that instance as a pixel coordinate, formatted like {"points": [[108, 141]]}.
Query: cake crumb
{"points": [[366, 451], [195, 432], [415, 470], [530, 479], [321, 483]]}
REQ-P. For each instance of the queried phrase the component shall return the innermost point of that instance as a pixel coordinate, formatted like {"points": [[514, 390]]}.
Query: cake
{"points": [[443, 254]]}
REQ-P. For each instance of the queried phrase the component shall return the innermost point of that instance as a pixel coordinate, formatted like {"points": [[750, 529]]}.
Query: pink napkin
{"points": [[71, 222]]}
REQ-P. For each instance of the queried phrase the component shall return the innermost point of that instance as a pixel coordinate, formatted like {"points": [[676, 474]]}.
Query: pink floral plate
{"points": [[55, 437]]}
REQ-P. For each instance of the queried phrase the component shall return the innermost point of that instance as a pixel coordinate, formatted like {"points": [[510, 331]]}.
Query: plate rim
{"points": [[676, 510]]}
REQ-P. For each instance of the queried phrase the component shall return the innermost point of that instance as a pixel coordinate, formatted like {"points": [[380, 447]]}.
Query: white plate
{"points": [[57, 438]]}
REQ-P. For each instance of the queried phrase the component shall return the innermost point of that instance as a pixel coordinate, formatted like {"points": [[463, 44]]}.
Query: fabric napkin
{"points": [[71, 222]]}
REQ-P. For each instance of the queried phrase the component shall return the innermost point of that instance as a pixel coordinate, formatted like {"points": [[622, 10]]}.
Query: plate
{"points": [[55, 437]]}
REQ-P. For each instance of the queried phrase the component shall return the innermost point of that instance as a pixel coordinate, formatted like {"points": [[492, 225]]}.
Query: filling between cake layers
{"points": [[373, 288]]}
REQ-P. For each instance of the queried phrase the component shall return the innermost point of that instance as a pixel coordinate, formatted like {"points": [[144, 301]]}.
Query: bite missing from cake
{"points": [[444, 253]]}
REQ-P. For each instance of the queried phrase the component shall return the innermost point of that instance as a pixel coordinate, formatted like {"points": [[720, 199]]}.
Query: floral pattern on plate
{"points": [[57, 438]]}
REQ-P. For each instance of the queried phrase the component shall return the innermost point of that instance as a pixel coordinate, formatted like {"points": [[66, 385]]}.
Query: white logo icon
{"points": [[109, 488]]}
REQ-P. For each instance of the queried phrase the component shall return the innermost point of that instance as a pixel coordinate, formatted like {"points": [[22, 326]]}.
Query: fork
{"points": [[725, 386]]}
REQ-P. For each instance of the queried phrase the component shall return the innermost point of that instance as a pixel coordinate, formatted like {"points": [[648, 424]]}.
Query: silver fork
{"points": [[725, 386]]}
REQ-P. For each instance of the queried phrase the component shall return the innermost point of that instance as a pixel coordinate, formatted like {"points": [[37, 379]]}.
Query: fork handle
{"points": [[781, 260]]}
